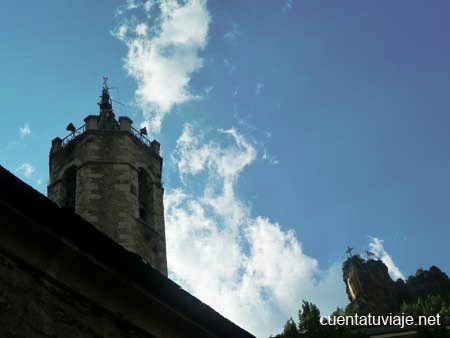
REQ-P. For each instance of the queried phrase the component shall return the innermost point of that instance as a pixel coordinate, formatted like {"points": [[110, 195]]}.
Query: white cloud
{"points": [[287, 6], [25, 130], [208, 90], [141, 29], [121, 32], [163, 57], [246, 267], [232, 34], [259, 87], [376, 246], [148, 5], [269, 158], [229, 65], [26, 169], [132, 5]]}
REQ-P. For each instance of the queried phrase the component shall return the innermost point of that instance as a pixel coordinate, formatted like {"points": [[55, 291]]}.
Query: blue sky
{"points": [[290, 129]]}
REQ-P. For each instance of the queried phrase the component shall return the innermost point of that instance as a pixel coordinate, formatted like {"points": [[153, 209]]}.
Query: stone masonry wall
{"points": [[107, 164], [49, 288], [32, 306]]}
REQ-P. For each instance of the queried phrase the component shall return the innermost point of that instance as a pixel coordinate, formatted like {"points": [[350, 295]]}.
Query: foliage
{"points": [[351, 309], [309, 325], [435, 332], [290, 330], [426, 293], [428, 306], [308, 319], [338, 312]]}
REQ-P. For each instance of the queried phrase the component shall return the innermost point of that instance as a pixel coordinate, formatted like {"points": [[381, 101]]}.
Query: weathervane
{"points": [[105, 79]]}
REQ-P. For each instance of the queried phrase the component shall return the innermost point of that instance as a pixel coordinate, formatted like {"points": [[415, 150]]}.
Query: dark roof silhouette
{"points": [[64, 223]]}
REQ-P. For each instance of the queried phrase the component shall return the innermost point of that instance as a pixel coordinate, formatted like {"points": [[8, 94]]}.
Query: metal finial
{"points": [[105, 101]]}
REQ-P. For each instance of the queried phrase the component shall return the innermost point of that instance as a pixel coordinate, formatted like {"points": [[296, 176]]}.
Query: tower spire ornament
{"points": [[107, 117]]}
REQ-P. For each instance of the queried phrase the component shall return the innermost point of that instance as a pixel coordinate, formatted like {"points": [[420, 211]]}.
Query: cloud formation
{"points": [[246, 267], [258, 88], [233, 33], [229, 66], [376, 246], [287, 6], [163, 57], [26, 169], [270, 158], [25, 130]]}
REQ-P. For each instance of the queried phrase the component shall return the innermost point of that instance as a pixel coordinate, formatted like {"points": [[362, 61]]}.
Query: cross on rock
{"points": [[349, 251]]}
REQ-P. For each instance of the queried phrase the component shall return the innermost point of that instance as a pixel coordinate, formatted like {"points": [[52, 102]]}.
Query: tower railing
{"points": [[72, 136], [136, 133], [69, 138]]}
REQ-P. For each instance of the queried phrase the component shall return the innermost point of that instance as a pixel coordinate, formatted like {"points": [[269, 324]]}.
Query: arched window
{"points": [[144, 196], [70, 184]]}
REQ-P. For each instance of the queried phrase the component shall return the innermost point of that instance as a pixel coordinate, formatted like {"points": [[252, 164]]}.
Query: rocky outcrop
{"points": [[370, 289]]}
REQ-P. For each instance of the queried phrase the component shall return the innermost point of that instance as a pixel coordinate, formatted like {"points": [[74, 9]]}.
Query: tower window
{"points": [[144, 196], [70, 183]]}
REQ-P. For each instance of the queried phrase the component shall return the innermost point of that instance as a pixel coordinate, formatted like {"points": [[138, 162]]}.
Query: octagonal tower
{"points": [[111, 174]]}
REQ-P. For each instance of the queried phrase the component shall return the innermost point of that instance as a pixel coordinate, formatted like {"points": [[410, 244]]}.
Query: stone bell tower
{"points": [[110, 174]]}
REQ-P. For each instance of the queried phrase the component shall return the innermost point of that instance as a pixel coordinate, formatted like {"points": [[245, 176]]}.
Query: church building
{"points": [[90, 260]]}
